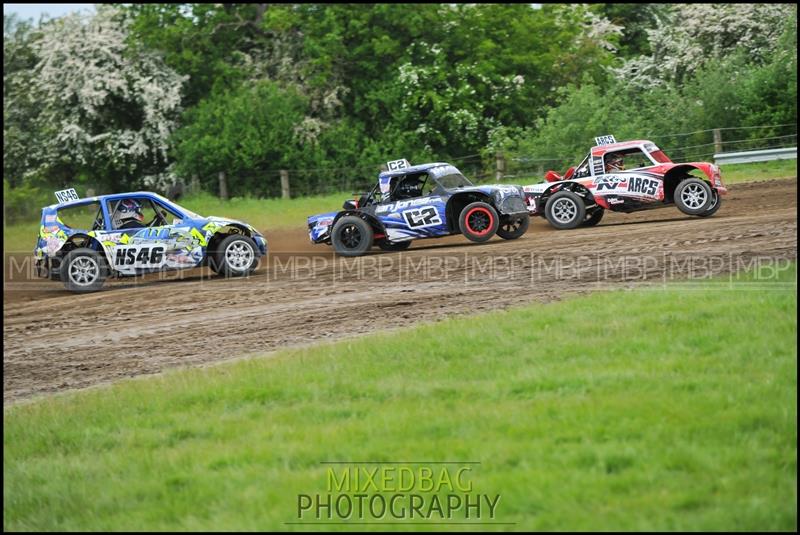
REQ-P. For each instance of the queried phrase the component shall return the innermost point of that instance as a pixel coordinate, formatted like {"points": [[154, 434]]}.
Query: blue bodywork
{"points": [[426, 216], [184, 242]]}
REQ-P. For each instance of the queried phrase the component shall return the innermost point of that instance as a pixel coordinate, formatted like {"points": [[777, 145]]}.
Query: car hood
{"points": [[222, 221], [314, 219], [490, 189]]}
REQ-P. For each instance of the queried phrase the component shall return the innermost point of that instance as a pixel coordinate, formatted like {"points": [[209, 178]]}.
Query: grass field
{"points": [[279, 213], [664, 409]]}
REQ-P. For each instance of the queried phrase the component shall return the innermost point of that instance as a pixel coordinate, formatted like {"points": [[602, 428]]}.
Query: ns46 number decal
{"points": [[139, 256], [427, 216]]}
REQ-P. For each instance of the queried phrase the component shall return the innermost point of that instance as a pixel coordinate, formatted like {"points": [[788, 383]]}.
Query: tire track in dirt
{"points": [[56, 341]]}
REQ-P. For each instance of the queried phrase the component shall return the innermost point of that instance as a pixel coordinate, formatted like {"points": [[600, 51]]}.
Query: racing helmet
{"points": [[615, 162], [128, 210], [409, 188]]}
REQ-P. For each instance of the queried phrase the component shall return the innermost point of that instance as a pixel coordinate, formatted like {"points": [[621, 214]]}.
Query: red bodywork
{"points": [[611, 189]]}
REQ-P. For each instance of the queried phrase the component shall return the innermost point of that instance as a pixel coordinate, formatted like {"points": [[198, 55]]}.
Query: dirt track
{"points": [[55, 341]]}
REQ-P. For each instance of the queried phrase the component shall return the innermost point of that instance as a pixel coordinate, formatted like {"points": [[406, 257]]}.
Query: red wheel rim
{"points": [[489, 215]]}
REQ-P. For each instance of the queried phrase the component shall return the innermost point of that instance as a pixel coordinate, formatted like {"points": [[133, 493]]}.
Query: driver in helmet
{"points": [[615, 163], [129, 215], [409, 188]]}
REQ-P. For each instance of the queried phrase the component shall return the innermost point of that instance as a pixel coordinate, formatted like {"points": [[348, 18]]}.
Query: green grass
{"points": [[751, 172], [665, 409], [279, 213]]}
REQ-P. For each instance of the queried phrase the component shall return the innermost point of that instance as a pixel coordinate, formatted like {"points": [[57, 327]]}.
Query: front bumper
{"points": [[513, 206], [261, 242]]}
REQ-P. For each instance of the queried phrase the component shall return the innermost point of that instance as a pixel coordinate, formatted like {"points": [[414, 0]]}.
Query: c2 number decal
{"points": [[139, 255], [426, 216]]}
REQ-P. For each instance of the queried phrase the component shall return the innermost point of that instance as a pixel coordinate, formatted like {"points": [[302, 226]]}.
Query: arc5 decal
{"points": [[635, 184], [643, 185]]}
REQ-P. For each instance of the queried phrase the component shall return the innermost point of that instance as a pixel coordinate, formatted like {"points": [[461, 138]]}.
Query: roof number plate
{"points": [[604, 140], [396, 165], [67, 195]]}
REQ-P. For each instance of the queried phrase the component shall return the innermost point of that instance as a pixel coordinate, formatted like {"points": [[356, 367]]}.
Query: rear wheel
{"points": [[693, 196], [236, 256], [478, 221], [83, 270], [351, 236], [593, 218], [394, 246], [513, 227], [565, 210]]}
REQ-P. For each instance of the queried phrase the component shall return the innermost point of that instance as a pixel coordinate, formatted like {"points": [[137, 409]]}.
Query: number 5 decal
{"points": [[426, 216]]}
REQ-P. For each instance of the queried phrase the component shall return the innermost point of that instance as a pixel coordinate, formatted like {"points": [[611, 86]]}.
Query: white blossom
{"points": [[110, 102], [692, 34]]}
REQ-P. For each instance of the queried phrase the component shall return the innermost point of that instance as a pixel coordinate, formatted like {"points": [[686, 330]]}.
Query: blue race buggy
{"points": [[84, 241], [422, 201]]}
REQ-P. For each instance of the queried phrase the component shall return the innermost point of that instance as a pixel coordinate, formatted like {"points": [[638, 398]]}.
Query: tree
{"points": [[108, 106], [19, 109], [244, 133], [689, 36]]}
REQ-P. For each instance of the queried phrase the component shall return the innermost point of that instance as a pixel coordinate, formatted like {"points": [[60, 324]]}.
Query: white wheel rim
{"points": [[84, 271], [564, 210], [239, 255], [694, 196]]}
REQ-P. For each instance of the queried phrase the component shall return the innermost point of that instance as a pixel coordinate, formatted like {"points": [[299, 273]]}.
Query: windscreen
{"points": [[449, 177]]}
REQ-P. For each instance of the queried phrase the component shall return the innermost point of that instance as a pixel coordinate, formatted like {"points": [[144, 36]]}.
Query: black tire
{"points": [[565, 210], [478, 221], [513, 227], [351, 236], [235, 256], [84, 270], [693, 196], [593, 218], [394, 246], [716, 200]]}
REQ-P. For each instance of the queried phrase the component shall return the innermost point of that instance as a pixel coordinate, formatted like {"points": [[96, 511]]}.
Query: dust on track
{"points": [[56, 341]]}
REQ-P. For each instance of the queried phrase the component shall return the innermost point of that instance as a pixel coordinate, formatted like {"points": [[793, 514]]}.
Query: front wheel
{"points": [[565, 210], [593, 218], [84, 270], [693, 196], [394, 246], [514, 227], [716, 201], [478, 221], [351, 236], [236, 256]]}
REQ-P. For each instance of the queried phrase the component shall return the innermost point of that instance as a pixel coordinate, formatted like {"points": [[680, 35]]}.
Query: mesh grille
{"points": [[513, 205]]}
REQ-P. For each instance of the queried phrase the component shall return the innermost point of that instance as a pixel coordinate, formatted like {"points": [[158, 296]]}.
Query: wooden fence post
{"points": [[285, 184], [500, 166], [717, 141], [223, 186], [194, 185]]}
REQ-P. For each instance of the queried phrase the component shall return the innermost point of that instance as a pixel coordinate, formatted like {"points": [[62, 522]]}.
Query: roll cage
{"points": [[424, 178], [108, 206], [595, 162]]}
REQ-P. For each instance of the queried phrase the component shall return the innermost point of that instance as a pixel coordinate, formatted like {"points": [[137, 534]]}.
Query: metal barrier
{"points": [[756, 156]]}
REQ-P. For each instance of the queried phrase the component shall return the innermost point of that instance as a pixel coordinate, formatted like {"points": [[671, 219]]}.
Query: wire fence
{"points": [[700, 145]]}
